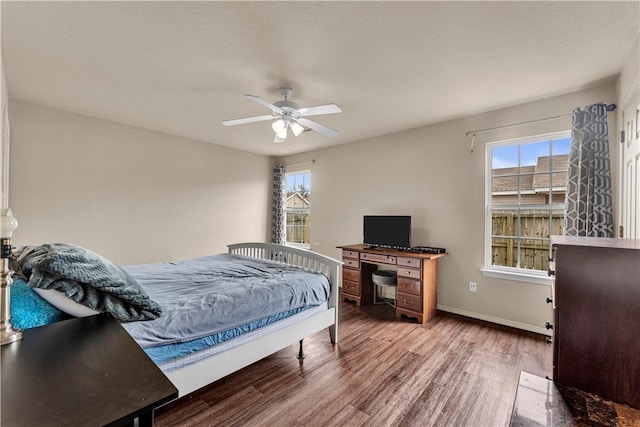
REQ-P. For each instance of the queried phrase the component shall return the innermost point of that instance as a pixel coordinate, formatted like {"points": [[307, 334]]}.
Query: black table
{"points": [[80, 372]]}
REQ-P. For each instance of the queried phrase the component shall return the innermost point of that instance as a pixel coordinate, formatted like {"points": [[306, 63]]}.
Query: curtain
{"points": [[278, 218], [589, 203]]}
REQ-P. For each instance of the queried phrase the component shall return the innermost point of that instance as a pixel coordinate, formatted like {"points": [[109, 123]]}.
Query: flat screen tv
{"points": [[387, 231]]}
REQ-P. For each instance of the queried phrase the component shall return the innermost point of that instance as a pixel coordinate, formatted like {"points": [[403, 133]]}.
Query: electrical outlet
{"points": [[473, 287]]}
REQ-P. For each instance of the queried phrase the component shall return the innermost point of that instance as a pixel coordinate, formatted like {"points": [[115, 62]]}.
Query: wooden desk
{"points": [[86, 371], [417, 279]]}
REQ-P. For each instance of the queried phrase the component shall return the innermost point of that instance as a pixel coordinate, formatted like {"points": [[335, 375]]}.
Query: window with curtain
{"points": [[298, 209], [525, 193]]}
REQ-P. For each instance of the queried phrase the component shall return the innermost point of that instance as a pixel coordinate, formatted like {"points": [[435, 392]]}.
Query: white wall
{"points": [[4, 139], [130, 194], [430, 174], [629, 75]]}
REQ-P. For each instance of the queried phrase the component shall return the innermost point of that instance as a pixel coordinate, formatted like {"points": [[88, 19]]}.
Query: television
{"points": [[387, 231]]}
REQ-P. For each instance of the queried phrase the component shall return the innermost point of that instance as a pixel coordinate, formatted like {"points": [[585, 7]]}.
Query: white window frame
{"points": [[295, 244], [503, 272]]}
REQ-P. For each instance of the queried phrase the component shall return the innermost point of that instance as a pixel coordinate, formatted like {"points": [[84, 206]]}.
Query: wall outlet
{"points": [[473, 287]]}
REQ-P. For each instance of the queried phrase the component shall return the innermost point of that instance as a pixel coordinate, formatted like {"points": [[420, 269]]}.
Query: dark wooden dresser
{"points": [[86, 371], [596, 343]]}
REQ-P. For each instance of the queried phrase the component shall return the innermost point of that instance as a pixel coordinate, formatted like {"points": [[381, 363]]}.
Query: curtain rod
{"points": [[310, 162], [610, 107]]}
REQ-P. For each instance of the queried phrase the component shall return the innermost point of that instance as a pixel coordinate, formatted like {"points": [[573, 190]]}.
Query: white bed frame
{"points": [[202, 373]]}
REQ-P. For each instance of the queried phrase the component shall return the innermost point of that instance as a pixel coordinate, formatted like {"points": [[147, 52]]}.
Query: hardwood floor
{"points": [[451, 371]]}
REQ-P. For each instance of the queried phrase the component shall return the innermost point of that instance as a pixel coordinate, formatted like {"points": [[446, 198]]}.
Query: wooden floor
{"points": [[451, 371]]}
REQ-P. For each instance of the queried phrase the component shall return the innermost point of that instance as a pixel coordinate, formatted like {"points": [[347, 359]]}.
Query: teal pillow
{"points": [[28, 309]]}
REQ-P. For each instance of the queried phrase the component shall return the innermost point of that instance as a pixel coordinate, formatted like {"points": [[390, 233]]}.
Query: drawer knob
{"points": [[548, 325], [549, 300], [548, 340]]}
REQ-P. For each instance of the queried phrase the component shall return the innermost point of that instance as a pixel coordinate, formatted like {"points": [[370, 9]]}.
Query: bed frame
{"points": [[199, 374]]}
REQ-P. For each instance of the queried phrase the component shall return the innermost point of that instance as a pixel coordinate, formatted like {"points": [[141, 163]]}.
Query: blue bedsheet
{"points": [[204, 296], [163, 353]]}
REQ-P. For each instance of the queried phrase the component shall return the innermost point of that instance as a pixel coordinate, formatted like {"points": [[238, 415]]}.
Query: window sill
{"points": [[517, 276]]}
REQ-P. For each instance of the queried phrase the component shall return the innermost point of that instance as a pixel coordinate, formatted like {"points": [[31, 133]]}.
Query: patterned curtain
{"points": [[589, 204], [278, 219]]}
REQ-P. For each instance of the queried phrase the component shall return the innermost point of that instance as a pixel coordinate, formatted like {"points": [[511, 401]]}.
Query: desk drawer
{"points": [[410, 302], [379, 258], [409, 262], [351, 288], [409, 286], [353, 263], [350, 254], [351, 275], [409, 272]]}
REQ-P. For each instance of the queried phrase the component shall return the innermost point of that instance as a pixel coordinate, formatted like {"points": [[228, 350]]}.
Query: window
{"points": [[298, 209], [526, 187]]}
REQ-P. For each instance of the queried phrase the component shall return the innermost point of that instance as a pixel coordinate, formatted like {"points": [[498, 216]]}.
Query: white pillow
{"points": [[63, 303]]}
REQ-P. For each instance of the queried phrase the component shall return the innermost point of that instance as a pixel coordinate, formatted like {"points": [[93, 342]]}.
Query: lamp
{"points": [[296, 128], [7, 225], [278, 126]]}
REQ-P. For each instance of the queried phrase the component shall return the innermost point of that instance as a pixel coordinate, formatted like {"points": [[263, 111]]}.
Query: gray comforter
{"points": [[206, 295]]}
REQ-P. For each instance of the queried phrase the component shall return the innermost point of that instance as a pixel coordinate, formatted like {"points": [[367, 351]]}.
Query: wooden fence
{"points": [[298, 227], [534, 235]]}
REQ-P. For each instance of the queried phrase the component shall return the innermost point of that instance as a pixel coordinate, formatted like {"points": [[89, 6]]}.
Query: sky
{"points": [[294, 180], [507, 156]]}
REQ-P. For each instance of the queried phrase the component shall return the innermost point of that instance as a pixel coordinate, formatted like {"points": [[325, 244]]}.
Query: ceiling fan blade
{"points": [[247, 120], [267, 104], [317, 127], [320, 109]]}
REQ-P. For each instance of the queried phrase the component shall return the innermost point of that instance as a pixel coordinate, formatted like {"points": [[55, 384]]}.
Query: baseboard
{"points": [[500, 321]]}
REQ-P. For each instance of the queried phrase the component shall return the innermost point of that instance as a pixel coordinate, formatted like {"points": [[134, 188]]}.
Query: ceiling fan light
{"points": [[296, 128], [282, 133], [278, 126]]}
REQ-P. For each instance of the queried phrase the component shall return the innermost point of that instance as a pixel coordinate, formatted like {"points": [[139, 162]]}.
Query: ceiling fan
{"points": [[289, 115]]}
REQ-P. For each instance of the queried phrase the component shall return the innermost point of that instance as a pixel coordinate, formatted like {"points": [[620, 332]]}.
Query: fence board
{"points": [[534, 251]]}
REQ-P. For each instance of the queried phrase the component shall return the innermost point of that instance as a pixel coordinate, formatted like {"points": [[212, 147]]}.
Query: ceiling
{"points": [[183, 67]]}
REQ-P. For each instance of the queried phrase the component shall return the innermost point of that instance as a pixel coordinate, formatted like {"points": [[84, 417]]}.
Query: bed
{"points": [[201, 367], [201, 373]]}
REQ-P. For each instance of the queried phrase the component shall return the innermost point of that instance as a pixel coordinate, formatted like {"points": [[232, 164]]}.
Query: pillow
{"points": [[77, 275], [63, 303], [28, 310]]}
